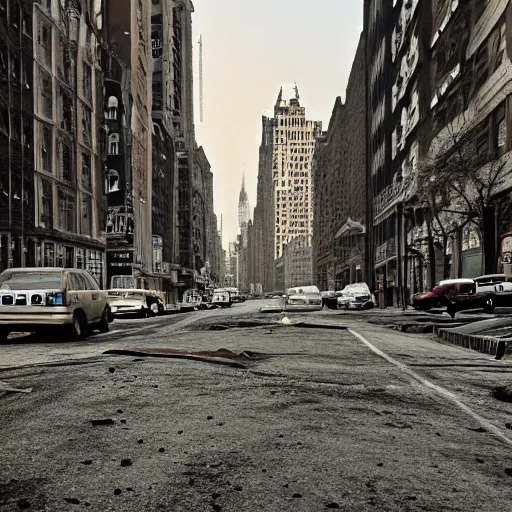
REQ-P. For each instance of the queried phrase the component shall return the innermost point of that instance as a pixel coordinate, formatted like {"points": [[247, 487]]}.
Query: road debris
{"points": [[101, 422], [222, 356]]}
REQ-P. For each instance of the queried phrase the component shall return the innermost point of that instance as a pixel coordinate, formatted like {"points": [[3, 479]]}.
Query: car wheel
{"points": [[161, 309], [104, 326], [144, 313], [78, 327], [4, 333], [153, 309]]}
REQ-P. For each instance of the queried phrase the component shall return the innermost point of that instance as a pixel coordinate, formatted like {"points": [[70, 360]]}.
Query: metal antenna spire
{"points": [[201, 96]]}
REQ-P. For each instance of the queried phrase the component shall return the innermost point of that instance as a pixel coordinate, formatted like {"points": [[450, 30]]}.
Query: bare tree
{"points": [[460, 183]]}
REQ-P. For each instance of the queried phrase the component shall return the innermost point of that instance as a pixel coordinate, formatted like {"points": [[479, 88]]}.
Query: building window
{"points": [[112, 183], [87, 82], [47, 5], [481, 67], [67, 210], [66, 161], [26, 73], [482, 141], [113, 106], [27, 131], [15, 68], [27, 22], [49, 255], [46, 213], [4, 121], [86, 171], [86, 215], [46, 149], [65, 111], [45, 44], [46, 98], [69, 257], [500, 130], [113, 144], [80, 258], [86, 125]]}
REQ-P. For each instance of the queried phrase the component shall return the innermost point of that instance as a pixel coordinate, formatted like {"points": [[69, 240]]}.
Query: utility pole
{"points": [[201, 97]]}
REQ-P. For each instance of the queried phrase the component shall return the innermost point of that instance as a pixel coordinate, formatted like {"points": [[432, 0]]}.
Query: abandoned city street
{"points": [[304, 417]]}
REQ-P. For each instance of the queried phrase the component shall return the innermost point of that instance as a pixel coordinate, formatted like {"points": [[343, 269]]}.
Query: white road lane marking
{"points": [[438, 389]]}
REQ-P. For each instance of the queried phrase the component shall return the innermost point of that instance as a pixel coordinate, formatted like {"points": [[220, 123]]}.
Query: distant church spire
{"points": [[243, 198]]}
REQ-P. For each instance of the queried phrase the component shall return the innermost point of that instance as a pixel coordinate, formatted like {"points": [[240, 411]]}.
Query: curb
{"points": [[496, 347]]}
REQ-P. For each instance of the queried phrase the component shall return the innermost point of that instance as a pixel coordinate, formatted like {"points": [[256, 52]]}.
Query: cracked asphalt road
{"points": [[324, 423]]}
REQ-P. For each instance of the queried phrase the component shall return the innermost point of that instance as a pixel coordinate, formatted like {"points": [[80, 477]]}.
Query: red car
{"points": [[455, 295]]}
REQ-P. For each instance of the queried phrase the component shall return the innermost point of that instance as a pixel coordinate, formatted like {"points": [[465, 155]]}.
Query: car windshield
{"points": [[123, 282], [126, 295], [31, 281]]}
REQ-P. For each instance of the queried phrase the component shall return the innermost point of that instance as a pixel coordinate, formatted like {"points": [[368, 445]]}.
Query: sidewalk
{"points": [[485, 333]]}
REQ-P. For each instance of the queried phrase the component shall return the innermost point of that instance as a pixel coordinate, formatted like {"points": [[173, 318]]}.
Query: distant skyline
{"points": [[251, 49]]}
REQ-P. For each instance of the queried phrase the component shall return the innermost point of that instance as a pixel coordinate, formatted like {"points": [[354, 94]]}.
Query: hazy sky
{"points": [[250, 48]]}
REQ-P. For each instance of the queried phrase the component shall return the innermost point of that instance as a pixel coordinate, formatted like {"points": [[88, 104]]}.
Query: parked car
{"points": [[221, 298], [456, 295], [355, 296], [488, 283], [235, 294], [501, 296], [40, 299], [330, 299], [304, 296], [134, 302], [192, 300]]}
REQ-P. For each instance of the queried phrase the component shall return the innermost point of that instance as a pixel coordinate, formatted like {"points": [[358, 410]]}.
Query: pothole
{"points": [[241, 324], [503, 393]]}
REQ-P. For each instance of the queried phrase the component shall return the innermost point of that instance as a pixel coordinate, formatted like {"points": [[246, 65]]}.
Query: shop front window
{"points": [[49, 255]]}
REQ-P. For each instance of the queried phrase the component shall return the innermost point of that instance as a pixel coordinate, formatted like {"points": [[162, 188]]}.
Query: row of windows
{"points": [[66, 209]]}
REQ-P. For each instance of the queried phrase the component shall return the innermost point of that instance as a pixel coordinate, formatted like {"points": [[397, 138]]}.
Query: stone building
{"points": [[164, 179], [129, 139], [52, 199], [339, 192], [379, 25], [298, 263], [215, 266], [17, 192], [406, 119], [294, 141], [439, 84], [470, 109], [262, 234], [183, 124], [243, 229]]}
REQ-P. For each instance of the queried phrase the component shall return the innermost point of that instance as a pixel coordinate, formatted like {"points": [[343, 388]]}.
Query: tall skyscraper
{"points": [[294, 144], [243, 214]]}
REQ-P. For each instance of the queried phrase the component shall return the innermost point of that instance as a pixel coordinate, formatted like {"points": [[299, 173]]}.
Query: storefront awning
{"points": [[350, 227]]}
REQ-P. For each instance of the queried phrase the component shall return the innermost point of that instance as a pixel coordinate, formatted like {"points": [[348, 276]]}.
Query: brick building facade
{"points": [[339, 191]]}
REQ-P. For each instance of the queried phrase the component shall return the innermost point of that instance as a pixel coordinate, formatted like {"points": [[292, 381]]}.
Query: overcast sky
{"points": [[250, 48]]}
